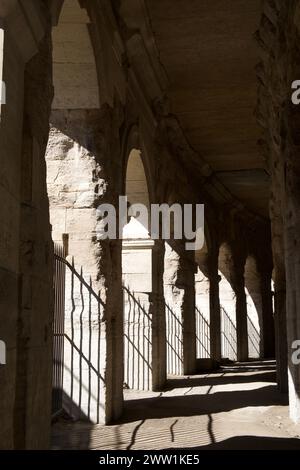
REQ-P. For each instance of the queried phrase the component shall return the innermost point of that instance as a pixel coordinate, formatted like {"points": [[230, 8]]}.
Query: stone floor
{"points": [[238, 407]]}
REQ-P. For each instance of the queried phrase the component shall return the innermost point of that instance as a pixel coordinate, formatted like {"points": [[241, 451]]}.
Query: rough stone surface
{"points": [[103, 79]]}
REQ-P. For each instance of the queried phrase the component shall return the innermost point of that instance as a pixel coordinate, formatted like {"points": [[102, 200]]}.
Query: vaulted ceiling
{"points": [[209, 53]]}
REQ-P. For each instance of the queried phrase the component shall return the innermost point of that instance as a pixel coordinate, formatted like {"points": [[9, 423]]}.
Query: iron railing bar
{"points": [[81, 279], [84, 357]]}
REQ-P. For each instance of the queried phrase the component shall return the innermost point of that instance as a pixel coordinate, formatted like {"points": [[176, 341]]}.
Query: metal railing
{"points": [[58, 330], [228, 336], [174, 342], [137, 341], [78, 315], [202, 335], [253, 340]]}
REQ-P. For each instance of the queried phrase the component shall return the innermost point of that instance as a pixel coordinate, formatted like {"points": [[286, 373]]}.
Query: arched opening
{"points": [[71, 166], [227, 305], [254, 308], [137, 265], [75, 185], [74, 68], [137, 194]]}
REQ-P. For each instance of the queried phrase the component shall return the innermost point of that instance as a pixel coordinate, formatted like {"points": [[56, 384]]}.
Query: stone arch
{"points": [[144, 324], [75, 76], [82, 157], [137, 195], [133, 140], [75, 111]]}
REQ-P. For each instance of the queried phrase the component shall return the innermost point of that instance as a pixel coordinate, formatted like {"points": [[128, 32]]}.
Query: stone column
{"points": [[32, 413], [215, 316], [179, 290], [238, 284], [84, 171], [258, 276], [281, 337], [292, 283], [159, 346], [292, 253], [268, 327], [280, 320], [280, 119]]}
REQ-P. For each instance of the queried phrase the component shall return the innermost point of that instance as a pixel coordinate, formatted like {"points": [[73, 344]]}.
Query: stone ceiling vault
{"points": [[208, 51]]}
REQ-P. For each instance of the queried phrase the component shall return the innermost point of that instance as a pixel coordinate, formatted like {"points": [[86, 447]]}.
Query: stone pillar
{"points": [[238, 284], [292, 253], [179, 290], [241, 324], [280, 119], [25, 242], [258, 273], [281, 338], [84, 171], [215, 316], [202, 312], [293, 301], [268, 327], [159, 345], [10, 182], [280, 320], [32, 414]]}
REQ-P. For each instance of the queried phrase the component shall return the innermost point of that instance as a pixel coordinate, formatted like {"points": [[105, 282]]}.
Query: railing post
{"points": [[58, 330]]}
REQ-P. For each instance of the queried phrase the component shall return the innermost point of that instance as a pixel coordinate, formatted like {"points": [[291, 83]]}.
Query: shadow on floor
{"points": [[258, 371], [189, 405], [254, 443], [68, 435], [269, 377]]}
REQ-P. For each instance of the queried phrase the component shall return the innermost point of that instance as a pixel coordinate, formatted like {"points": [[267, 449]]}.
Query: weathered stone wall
{"points": [[279, 39], [26, 256], [81, 169], [10, 181], [87, 155]]}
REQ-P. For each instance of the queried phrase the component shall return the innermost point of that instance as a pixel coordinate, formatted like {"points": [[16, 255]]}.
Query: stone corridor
{"points": [[237, 407], [149, 223]]}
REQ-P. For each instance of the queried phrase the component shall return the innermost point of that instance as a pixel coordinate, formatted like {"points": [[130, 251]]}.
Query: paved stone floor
{"points": [[238, 407]]}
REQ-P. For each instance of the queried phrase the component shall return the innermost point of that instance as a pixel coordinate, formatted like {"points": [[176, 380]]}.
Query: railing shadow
{"points": [[137, 342], [202, 335], [174, 342], [78, 316], [228, 336], [253, 339]]}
